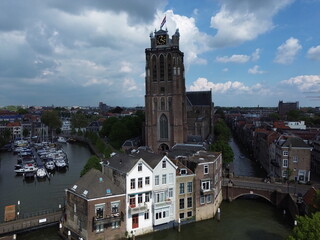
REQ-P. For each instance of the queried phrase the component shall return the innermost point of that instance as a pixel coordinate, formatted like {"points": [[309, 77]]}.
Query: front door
{"points": [[135, 221]]}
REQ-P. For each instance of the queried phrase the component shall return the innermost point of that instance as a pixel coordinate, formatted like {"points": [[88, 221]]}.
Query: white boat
{"points": [[60, 163], [41, 173], [26, 168], [50, 165], [61, 140]]}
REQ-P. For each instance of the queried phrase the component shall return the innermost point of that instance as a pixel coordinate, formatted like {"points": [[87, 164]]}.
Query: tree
{"points": [[307, 228], [22, 111], [118, 134], [93, 162], [52, 120], [79, 120], [107, 126], [224, 148], [25, 132]]}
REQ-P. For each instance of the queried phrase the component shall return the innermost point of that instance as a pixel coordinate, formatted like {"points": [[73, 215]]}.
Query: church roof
{"points": [[200, 98]]}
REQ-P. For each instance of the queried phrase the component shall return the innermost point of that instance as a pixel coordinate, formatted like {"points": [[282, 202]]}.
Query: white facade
{"points": [[296, 125], [66, 126], [138, 198], [164, 191]]}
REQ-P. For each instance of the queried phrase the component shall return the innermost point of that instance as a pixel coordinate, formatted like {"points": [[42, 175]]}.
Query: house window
{"points": [[139, 167], [164, 178], [133, 183], [170, 178], [189, 202], [132, 200], [160, 197], [181, 203], [189, 214], [209, 198], [139, 182], [181, 188], [147, 181], [295, 159], [202, 200], [140, 198], [285, 163], [189, 187], [170, 192], [99, 211], [181, 215], [146, 215], [164, 164], [147, 197], [99, 228], [285, 153], [205, 185], [205, 169], [284, 173], [156, 180], [183, 171], [115, 207], [115, 225]]}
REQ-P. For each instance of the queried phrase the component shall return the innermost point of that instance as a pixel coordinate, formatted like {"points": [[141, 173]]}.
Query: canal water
{"points": [[243, 219], [242, 165]]}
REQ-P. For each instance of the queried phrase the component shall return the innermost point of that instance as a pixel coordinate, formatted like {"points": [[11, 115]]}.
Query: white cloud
{"points": [[202, 84], [314, 53], [255, 55], [234, 59], [240, 58], [129, 85], [287, 51], [244, 20], [125, 67], [304, 82], [225, 70], [255, 70]]}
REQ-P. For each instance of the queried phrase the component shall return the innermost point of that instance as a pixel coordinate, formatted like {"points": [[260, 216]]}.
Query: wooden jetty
{"points": [[30, 223]]}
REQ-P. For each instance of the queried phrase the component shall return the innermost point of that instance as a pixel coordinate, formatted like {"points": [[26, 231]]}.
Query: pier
{"points": [[37, 221]]}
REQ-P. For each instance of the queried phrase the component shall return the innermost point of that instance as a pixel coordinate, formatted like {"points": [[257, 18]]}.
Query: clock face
{"points": [[161, 40]]}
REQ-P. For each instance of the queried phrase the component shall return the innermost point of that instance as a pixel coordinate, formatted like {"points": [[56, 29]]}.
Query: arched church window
{"points": [[154, 68], [163, 127], [169, 61], [161, 68], [155, 105], [163, 104]]}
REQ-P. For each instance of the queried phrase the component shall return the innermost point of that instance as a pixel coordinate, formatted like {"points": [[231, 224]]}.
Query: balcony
{"points": [[135, 209], [163, 203], [116, 217]]}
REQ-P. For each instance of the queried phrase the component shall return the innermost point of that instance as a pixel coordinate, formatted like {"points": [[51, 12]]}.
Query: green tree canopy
{"points": [[119, 134], [93, 162], [79, 120], [51, 119], [308, 228]]}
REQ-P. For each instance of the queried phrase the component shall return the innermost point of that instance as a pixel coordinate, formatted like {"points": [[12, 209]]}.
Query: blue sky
{"points": [[78, 53]]}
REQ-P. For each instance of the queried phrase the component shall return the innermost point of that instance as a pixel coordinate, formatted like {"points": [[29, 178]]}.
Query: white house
{"points": [[164, 191], [139, 184]]}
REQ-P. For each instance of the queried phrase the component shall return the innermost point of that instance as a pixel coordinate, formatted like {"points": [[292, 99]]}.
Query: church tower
{"points": [[165, 99]]}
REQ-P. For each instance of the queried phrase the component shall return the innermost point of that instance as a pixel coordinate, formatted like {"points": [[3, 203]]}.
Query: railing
{"points": [[134, 209], [108, 219], [163, 203]]}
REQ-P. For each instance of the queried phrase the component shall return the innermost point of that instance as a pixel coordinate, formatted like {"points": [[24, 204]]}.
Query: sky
{"points": [[249, 53]]}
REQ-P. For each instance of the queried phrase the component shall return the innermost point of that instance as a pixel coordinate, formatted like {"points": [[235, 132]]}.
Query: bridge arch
{"points": [[253, 194]]}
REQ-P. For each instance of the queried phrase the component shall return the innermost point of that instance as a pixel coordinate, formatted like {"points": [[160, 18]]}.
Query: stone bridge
{"points": [[281, 195]]}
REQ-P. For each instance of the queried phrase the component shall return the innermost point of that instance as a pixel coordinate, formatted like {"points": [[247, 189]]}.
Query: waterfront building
{"points": [[135, 175], [207, 169], [293, 156], [185, 200], [95, 208]]}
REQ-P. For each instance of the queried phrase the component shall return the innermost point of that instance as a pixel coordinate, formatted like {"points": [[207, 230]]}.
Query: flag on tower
{"points": [[163, 22]]}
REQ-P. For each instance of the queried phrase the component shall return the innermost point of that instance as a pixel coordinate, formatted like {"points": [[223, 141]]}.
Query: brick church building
{"points": [[172, 115]]}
